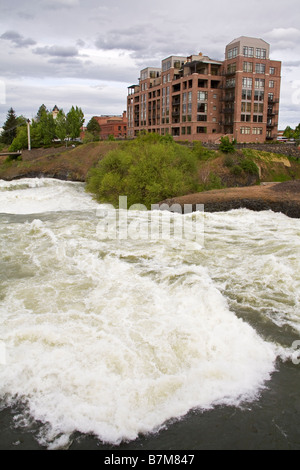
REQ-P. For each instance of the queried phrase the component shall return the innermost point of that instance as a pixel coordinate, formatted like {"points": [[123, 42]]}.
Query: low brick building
{"points": [[115, 126], [198, 98]]}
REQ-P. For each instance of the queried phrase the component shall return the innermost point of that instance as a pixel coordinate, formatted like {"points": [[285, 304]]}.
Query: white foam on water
{"points": [[39, 195], [117, 337]]}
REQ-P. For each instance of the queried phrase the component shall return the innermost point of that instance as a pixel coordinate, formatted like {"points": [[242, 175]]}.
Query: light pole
{"points": [[28, 133]]}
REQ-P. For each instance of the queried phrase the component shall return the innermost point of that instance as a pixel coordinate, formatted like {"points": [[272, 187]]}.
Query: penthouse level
{"points": [[198, 98]]}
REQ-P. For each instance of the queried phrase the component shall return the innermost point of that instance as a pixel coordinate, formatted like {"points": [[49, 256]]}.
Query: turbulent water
{"points": [[116, 337]]}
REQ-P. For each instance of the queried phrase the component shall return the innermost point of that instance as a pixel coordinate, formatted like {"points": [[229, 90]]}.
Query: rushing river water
{"points": [[145, 343]]}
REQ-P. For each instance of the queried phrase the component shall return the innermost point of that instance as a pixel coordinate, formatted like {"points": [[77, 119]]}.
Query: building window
{"points": [[246, 94], [202, 95], [201, 130], [248, 51], [272, 71], [183, 130], [270, 97], [259, 83], [258, 108], [232, 53], [248, 67], [271, 84], [259, 95], [247, 82], [260, 68], [245, 130], [257, 118], [245, 117], [246, 107], [201, 117], [231, 68], [202, 107], [261, 53], [257, 130]]}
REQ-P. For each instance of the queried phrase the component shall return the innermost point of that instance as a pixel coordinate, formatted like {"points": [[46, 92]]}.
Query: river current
{"points": [[132, 342]]}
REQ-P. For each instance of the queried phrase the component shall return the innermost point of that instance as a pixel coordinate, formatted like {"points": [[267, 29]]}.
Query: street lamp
{"points": [[28, 133]]}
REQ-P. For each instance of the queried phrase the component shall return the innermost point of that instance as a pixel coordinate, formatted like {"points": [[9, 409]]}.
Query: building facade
{"points": [[111, 126], [197, 98]]}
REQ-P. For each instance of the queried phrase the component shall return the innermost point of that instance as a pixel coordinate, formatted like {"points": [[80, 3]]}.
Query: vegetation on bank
{"points": [[151, 168], [146, 170]]}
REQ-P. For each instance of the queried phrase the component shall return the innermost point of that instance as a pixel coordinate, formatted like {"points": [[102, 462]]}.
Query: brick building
{"points": [[115, 126], [197, 98]]}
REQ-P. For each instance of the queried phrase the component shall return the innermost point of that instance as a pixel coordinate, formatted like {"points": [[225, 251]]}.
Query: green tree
{"points": [[20, 142], [41, 111], [61, 125], [288, 132], [47, 125], [297, 132], [93, 127], [75, 120], [226, 146], [9, 127]]}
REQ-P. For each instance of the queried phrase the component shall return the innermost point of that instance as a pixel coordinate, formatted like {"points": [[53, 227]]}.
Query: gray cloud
{"points": [[58, 51], [111, 41], [17, 39], [291, 63], [130, 39]]}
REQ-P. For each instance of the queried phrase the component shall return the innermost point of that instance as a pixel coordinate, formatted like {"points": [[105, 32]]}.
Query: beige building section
{"points": [[197, 98]]}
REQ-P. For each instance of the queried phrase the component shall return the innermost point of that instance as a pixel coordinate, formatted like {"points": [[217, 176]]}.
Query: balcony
{"points": [[273, 101], [228, 110]]}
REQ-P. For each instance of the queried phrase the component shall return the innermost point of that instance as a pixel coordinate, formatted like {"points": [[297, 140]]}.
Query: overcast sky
{"points": [[86, 53]]}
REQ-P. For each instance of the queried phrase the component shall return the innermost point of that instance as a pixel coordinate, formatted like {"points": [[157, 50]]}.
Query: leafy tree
{"points": [[297, 132], [146, 170], [20, 141], [288, 132], [9, 127], [75, 120], [61, 125], [47, 125], [94, 128]]}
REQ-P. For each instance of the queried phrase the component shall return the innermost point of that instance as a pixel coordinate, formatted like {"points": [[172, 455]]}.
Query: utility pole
{"points": [[28, 133]]}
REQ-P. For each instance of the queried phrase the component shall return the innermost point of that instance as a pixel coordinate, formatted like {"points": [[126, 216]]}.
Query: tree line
{"points": [[292, 133], [44, 128]]}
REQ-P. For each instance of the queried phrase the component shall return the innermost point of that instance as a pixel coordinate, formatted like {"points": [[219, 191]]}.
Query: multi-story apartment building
{"points": [[197, 98]]}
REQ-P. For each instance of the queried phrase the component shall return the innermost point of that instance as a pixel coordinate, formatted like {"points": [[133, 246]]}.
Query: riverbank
{"points": [[278, 197], [240, 189]]}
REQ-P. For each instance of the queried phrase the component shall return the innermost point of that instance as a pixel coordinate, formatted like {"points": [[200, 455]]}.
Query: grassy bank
{"points": [[151, 168]]}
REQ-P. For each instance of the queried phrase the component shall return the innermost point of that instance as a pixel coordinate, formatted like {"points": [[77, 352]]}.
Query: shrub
{"points": [[226, 146], [229, 161], [236, 170], [146, 170], [249, 166]]}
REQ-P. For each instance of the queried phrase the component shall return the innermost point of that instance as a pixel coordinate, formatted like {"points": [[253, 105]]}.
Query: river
{"points": [[145, 342]]}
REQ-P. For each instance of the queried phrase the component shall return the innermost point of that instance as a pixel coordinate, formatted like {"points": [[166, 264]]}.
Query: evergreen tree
{"points": [[9, 128]]}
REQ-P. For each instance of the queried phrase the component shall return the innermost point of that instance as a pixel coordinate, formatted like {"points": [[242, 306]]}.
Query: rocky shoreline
{"points": [[278, 197]]}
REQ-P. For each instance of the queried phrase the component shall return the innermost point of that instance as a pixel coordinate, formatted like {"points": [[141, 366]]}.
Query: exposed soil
{"points": [[278, 197], [62, 163]]}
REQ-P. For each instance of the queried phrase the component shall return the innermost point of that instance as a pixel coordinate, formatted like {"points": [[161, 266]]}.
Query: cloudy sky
{"points": [[86, 53]]}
